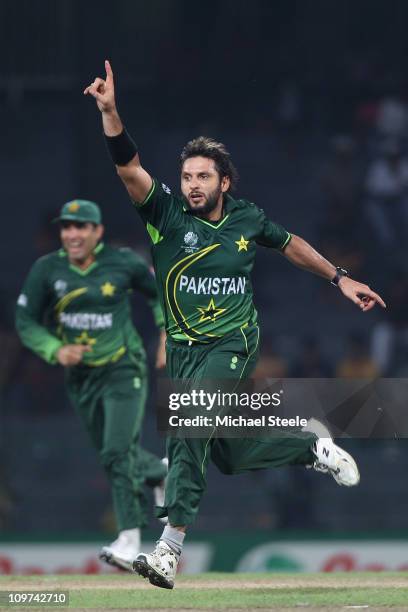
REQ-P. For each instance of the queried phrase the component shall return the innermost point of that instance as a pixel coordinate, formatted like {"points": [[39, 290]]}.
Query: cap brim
{"points": [[74, 218]]}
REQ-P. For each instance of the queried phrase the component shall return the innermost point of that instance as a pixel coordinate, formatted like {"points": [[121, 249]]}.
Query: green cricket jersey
{"points": [[202, 268], [62, 304]]}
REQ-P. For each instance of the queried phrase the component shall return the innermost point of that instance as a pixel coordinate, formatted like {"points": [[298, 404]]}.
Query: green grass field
{"points": [[225, 591]]}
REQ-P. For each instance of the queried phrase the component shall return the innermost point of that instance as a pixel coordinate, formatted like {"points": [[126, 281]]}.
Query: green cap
{"points": [[83, 211]]}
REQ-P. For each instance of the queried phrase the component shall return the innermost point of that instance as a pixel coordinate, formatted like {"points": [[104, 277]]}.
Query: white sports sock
{"points": [[173, 538]]}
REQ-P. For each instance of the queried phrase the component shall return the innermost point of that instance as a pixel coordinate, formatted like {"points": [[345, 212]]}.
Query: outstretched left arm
{"points": [[302, 254]]}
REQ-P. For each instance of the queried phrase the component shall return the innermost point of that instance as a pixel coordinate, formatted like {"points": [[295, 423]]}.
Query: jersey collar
{"points": [[97, 250]]}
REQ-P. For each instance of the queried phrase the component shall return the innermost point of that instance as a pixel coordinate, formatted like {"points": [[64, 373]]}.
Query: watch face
{"points": [[339, 273]]}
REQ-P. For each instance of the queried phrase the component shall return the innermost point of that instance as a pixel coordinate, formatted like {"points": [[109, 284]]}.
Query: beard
{"points": [[209, 204]]}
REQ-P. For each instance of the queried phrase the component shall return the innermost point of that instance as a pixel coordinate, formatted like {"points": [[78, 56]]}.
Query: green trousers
{"points": [[233, 356], [110, 401]]}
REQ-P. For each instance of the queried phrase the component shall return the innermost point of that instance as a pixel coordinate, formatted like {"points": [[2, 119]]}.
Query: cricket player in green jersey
{"points": [[74, 310], [204, 245]]}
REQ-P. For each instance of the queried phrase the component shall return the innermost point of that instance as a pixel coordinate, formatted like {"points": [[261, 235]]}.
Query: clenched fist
{"points": [[72, 354]]}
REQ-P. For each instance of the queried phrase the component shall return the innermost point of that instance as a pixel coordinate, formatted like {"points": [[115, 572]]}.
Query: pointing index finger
{"points": [[375, 297], [378, 299], [108, 68]]}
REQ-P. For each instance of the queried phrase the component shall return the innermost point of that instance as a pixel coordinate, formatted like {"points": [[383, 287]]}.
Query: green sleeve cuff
{"points": [[286, 242], [49, 350], [147, 198]]}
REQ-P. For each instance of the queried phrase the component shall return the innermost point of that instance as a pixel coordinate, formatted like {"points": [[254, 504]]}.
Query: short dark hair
{"points": [[203, 146]]}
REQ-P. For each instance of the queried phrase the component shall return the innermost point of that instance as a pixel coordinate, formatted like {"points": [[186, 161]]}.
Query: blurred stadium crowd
{"points": [[312, 101]]}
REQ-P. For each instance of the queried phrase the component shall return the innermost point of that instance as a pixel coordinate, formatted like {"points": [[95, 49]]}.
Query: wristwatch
{"points": [[339, 273]]}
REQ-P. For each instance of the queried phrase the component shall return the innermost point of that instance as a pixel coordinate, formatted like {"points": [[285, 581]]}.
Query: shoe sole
{"points": [[349, 459], [143, 569], [125, 566]]}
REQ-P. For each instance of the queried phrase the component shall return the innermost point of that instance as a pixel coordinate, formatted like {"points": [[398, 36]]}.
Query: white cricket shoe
{"points": [[159, 567], [330, 458], [159, 492], [122, 552]]}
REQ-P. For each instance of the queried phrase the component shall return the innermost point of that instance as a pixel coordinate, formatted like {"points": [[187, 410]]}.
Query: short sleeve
{"points": [[271, 234], [158, 210]]}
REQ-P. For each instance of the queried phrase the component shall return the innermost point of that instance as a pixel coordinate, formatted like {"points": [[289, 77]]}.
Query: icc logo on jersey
{"points": [[190, 240], [60, 287]]}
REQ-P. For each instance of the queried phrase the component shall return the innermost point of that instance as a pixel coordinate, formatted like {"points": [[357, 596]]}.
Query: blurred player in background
{"points": [[204, 247], [74, 310]]}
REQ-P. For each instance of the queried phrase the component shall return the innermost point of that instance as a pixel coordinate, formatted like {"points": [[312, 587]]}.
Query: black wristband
{"points": [[121, 148]]}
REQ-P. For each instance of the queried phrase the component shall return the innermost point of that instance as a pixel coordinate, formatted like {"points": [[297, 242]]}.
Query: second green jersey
{"points": [[202, 268], [62, 304]]}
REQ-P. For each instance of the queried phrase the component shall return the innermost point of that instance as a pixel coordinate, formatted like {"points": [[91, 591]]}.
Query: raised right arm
{"points": [[137, 181]]}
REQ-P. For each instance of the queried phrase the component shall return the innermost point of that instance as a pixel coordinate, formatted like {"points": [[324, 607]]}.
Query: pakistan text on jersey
{"points": [[86, 320], [212, 286]]}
